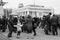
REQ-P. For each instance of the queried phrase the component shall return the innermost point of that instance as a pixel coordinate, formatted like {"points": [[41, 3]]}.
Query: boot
{"points": [[34, 34]]}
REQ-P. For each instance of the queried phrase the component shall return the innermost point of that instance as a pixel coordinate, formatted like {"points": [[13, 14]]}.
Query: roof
{"points": [[35, 6], [32, 7]]}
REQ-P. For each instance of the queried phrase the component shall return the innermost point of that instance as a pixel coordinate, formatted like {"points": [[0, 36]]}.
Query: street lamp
{"points": [[35, 9], [34, 2]]}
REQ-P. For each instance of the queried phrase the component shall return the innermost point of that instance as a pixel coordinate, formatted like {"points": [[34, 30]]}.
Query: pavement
{"points": [[24, 36], [3, 37]]}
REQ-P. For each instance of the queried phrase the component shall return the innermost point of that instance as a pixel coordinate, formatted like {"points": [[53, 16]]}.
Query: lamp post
{"points": [[35, 9], [34, 2]]}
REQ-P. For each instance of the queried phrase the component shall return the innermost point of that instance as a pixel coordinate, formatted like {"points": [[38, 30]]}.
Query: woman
{"points": [[29, 24]]}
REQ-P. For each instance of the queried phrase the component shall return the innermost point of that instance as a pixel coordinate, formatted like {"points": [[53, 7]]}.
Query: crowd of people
{"points": [[50, 24], [28, 24]]}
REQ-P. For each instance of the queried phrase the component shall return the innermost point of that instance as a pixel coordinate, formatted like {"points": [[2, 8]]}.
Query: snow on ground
{"points": [[40, 36]]}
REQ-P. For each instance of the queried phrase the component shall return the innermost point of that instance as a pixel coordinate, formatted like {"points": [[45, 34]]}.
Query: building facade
{"points": [[1, 8], [33, 10]]}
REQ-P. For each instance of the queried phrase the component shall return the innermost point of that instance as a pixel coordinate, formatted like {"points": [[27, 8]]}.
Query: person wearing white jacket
{"points": [[19, 25]]}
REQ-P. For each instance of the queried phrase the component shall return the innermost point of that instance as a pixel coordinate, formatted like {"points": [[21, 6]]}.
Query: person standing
{"points": [[48, 23], [0, 23], [4, 24], [29, 24], [54, 23], [10, 26]]}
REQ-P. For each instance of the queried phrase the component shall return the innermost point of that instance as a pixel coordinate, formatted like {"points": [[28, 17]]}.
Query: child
{"points": [[19, 25]]}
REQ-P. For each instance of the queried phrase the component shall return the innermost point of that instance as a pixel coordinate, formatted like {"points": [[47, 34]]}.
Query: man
{"points": [[11, 27], [54, 23], [4, 24], [34, 22], [0, 23], [48, 23]]}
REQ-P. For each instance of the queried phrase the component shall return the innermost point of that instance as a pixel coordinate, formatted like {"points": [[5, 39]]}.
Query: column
{"points": [[27, 12], [30, 13], [35, 14]]}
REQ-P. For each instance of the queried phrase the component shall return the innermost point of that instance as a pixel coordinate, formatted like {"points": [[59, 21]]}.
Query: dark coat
{"points": [[54, 20], [15, 20], [29, 24], [1, 24], [11, 26]]}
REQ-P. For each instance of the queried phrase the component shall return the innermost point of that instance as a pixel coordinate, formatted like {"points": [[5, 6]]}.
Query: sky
{"points": [[47, 3]]}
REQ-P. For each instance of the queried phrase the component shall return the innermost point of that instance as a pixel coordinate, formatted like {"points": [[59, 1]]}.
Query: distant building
{"points": [[1, 8], [33, 10], [7, 12]]}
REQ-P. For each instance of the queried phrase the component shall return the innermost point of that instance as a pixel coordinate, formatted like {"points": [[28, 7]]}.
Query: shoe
{"points": [[47, 34], [54, 34], [9, 36], [34, 34]]}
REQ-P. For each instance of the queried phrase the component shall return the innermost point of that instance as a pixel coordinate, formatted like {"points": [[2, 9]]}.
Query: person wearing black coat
{"points": [[11, 27], [4, 24], [34, 22], [54, 23], [47, 26], [0, 24]]}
